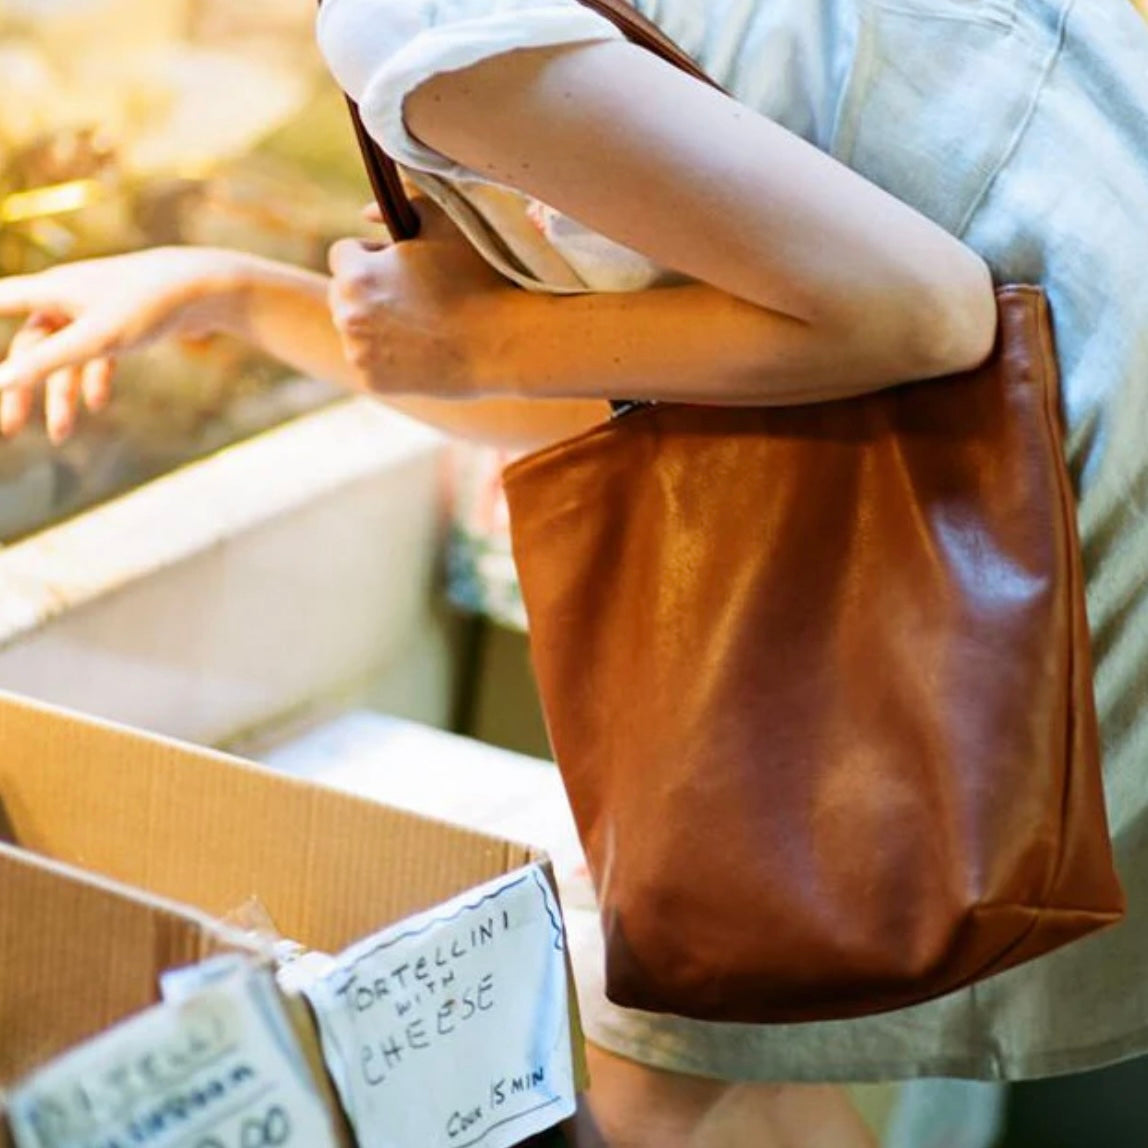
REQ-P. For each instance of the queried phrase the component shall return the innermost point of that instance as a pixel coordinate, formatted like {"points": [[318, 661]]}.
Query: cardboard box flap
{"points": [[212, 832], [79, 953]]}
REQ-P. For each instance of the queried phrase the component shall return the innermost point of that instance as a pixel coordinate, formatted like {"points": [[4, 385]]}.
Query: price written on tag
{"points": [[219, 1069], [452, 1028]]}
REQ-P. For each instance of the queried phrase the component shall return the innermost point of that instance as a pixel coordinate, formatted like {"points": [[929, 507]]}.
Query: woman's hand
{"points": [[81, 316], [411, 316]]}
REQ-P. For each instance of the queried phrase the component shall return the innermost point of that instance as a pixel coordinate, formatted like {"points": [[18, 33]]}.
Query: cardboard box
{"points": [[86, 957], [126, 852]]}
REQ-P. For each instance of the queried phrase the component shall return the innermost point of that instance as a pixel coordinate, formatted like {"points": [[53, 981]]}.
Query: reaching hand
{"points": [[81, 316]]}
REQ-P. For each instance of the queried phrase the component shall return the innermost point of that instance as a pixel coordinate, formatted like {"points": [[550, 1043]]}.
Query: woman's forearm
{"points": [[284, 312], [691, 343]]}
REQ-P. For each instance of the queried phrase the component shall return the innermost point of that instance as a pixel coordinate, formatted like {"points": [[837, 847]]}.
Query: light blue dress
{"points": [[1022, 127]]}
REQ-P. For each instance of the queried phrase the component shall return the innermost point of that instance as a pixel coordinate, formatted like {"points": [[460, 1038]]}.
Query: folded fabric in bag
{"points": [[818, 681]]}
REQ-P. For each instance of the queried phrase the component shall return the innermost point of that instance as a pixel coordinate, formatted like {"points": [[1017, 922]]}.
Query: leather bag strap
{"points": [[400, 217]]}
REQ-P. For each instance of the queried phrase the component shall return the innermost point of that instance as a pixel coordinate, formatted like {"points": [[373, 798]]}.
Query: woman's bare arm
{"points": [[810, 282], [285, 312], [859, 288], [85, 314]]}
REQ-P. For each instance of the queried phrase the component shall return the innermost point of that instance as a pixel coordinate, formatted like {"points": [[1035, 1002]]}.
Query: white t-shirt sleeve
{"points": [[381, 50]]}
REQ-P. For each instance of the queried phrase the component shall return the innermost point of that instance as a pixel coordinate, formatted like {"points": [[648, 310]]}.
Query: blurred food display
{"points": [[130, 123]]}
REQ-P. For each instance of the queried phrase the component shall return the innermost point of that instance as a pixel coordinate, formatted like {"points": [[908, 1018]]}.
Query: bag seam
{"points": [[1067, 512]]}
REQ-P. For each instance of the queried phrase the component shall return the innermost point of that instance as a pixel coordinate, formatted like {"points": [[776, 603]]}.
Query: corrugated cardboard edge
{"points": [[210, 936], [142, 810], [213, 936], [187, 936]]}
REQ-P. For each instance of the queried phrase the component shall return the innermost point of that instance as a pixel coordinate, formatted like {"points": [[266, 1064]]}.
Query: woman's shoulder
{"points": [[770, 53], [354, 35], [380, 51], [359, 37]]}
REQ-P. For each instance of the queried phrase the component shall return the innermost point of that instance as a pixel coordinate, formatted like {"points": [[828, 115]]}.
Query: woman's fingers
{"points": [[15, 411], [71, 346], [429, 213], [96, 383], [17, 402], [20, 294], [61, 399], [35, 347], [349, 259]]}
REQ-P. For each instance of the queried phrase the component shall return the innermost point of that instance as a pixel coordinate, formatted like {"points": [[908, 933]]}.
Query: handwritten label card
{"points": [[451, 1029], [217, 1069]]}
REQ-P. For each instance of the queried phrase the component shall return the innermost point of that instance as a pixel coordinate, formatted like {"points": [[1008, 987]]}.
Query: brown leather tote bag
{"points": [[818, 682]]}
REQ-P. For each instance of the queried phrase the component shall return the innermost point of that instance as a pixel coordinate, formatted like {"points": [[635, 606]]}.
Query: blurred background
{"points": [[131, 123]]}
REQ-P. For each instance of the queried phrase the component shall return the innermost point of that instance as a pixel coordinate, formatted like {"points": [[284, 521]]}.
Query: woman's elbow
{"points": [[917, 326], [953, 325]]}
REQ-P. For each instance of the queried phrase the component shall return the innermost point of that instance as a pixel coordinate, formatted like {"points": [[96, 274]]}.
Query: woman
{"points": [[803, 243]]}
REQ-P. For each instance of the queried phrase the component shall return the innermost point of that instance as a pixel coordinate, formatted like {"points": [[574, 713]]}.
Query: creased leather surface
{"points": [[818, 682]]}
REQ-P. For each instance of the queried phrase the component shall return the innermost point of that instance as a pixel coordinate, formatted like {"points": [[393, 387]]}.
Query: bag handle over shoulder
{"points": [[400, 217]]}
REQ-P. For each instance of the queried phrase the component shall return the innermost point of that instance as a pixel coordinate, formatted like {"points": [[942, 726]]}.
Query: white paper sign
{"points": [[450, 1029], [217, 1069]]}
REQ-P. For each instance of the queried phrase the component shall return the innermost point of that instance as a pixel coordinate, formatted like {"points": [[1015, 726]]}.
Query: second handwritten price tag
{"points": [[451, 1028], [217, 1070]]}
